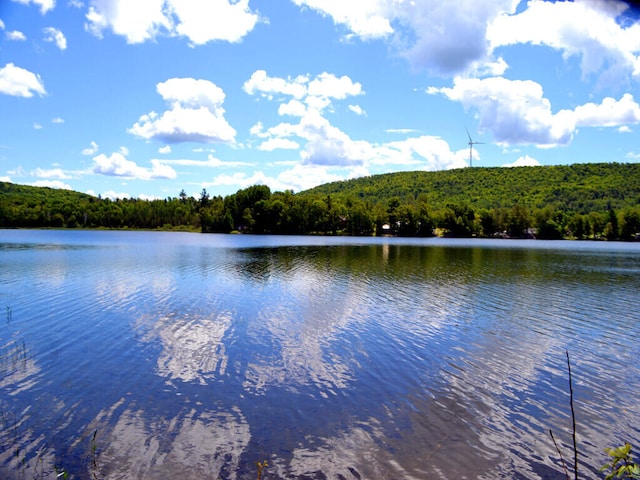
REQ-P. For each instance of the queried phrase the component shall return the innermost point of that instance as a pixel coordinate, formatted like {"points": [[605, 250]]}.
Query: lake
{"points": [[151, 355]]}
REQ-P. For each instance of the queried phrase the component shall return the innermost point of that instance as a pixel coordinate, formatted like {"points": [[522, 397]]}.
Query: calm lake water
{"points": [[146, 355]]}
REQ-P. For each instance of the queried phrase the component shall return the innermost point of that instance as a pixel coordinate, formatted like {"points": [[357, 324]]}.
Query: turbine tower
{"points": [[471, 144]]}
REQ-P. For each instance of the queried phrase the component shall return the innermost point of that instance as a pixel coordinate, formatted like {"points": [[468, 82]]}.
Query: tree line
{"points": [[596, 201]]}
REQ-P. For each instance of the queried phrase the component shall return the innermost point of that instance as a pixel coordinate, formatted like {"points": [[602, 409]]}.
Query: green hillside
{"points": [[579, 188], [584, 201]]}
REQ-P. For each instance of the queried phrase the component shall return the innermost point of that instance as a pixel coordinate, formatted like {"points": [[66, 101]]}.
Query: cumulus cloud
{"points": [[425, 152], [92, 149], [19, 82], [516, 111], [525, 161], [267, 86], [370, 19], [325, 146], [310, 97], [446, 37], [54, 35], [609, 113], [211, 162], [357, 109], [16, 36], [113, 195], [278, 144], [57, 120], [195, 114], [50, 173], [204, 21], [314, 92], [52, 184], [590, 30], [165, 149], [464, 36], [299, 177], [200, 21], [117, 165], [45, 5]]}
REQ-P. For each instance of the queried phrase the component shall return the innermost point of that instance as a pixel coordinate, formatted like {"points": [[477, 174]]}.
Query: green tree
{"points": [[630, 228], [612, 229]]}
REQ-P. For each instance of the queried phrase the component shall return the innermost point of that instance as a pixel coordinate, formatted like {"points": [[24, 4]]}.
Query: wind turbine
{"points": [[471, 144]]}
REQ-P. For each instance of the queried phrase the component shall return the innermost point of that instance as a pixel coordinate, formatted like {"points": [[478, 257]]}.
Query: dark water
{"points": [[187, 356]]}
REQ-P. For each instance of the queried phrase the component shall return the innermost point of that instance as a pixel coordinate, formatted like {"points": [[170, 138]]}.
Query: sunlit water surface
{"points": [[145, 355]]}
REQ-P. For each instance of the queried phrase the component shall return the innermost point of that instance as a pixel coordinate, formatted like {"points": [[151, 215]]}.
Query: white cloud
{"points": [[200, 21], [5, 179], [278, 143], [113, 195], [57, 120], [211, 161], [425, 152], [515, 111], [329, 86], [92, 149], [124, 151], [45, 5], [37, 126], [16, 36], [195, 114], [400, 130], [300, 177], [50, 173], [52, 184], [315, 93], [239, 178], [19, 82], [55, 36], [165, 149], [450, 37], [525, 161], [138, 21], [260, 82], [357, 109], [624, 129], [294, 108], [75, 3], [463, 36], [325, 146], [588, 29], [366, 19], [1, 24], [117, 165], [148, 198], [609, 113], [447, 37]]}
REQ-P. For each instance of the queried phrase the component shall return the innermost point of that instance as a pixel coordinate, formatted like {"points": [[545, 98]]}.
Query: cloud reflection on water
{"points": [[193, 348], [190, 445]]}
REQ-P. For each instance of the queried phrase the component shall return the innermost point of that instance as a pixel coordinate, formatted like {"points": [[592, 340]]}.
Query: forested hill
{"points": [[584, 201], [578, 188]]}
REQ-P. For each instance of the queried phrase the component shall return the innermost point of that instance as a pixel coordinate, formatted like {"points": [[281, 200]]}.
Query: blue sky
{"points": [[144, 99]]}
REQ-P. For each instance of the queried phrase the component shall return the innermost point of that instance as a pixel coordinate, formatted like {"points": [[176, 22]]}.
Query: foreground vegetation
{"points": [[582, 201]]}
